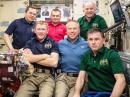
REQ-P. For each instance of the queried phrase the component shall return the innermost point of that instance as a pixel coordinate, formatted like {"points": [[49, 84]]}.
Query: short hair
{"points": [[27, 8], [73, 21], [56, 9], [41, 23], [94, 30], [88, 2]]}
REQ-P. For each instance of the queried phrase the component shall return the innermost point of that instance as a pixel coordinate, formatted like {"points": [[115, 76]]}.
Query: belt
{"points": [[42, 70], [71, 74]]}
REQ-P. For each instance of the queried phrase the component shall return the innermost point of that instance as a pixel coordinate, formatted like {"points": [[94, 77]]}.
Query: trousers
{"points": [[41, 82], [65, 85]]}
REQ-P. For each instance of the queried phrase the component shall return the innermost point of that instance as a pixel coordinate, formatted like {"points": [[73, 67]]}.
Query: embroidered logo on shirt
{"points": [[95, 25], [82, 46], [104, 62], [48, 45]]}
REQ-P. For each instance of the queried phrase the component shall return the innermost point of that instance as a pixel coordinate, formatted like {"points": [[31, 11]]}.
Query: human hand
{"points": [[27, 51], [11, 51]]}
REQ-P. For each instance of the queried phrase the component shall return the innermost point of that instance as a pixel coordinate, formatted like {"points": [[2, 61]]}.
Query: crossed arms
{"points": [[48, 60]]}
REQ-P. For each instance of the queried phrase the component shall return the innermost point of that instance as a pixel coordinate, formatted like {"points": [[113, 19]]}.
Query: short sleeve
{"points": [[83, 63], [28, 45], [11, 28], [102, 24], [65, 30], [116, 63], [55, 47]]}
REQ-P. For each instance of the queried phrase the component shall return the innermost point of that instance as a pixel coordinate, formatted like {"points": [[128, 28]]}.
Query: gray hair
{"points": [[90, 2]]}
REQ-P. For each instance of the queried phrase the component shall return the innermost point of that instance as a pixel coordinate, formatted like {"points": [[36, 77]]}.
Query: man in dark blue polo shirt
{"points": [[42, 52], [21, 29]]}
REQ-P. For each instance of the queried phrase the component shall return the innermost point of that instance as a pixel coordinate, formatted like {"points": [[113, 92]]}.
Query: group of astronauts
{"points": [[69, 60]]}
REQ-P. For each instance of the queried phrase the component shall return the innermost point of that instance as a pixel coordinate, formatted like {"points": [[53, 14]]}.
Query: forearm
{"points": [[48, 62], [78, 86], [118, 88], [8, 42], [79, 83], [35, 58], [51, 61]]}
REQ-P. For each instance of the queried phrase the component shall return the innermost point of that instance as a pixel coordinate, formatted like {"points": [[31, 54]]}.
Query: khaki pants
{"points": [[41, 82], [65, 85]]}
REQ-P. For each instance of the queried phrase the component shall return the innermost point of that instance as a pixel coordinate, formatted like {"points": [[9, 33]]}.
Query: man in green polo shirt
{"points": [[90, 19], [103, 68]]}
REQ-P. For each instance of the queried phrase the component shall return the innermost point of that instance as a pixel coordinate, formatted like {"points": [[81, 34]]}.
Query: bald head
{"points": [[73, 30], [72, 22]]}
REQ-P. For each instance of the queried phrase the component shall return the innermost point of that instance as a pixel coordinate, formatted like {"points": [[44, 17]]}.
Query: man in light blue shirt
{"points": [[71, 49]]}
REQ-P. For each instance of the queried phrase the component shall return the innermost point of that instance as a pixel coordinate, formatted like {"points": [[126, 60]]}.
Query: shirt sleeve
{"points": [[79, 20], [55, 47], [116, 63], [65, 30], [102, 24], [83, 63], [28, 45], [11, 28]]}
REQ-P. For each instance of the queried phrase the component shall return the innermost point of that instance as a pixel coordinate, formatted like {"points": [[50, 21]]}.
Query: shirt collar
{"points": [[91, 19], [42, 39], [50, 23], [77, 40], [100, 51], [25, 21]]}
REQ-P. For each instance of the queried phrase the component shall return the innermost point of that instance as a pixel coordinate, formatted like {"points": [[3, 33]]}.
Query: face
{"points": [[73, 30], [30, 15], [89, 9], [55, 17], [95, 41], [41, 31]]}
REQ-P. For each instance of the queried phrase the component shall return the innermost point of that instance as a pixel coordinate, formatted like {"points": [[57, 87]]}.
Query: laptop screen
{"points": [[117, 11]]}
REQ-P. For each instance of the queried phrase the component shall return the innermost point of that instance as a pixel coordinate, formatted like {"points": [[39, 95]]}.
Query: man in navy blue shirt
{"points": [[42, 52], [21, 30], [71, 50]]}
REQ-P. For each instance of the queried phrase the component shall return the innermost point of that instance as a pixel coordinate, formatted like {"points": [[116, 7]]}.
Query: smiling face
{"points": [[73, 30], [31, 14], [89, 9], [55, 16], [41, 30]]}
